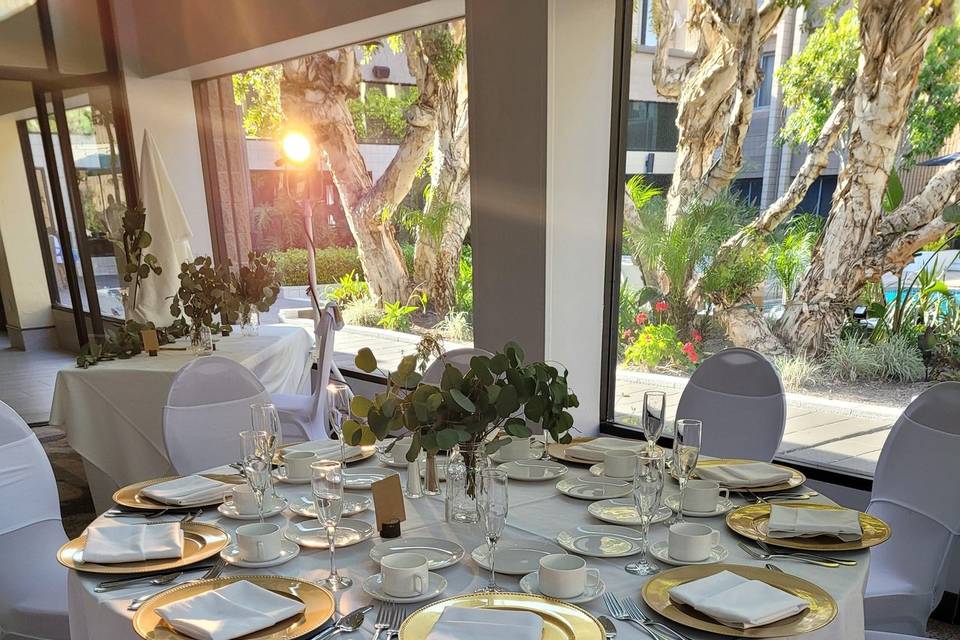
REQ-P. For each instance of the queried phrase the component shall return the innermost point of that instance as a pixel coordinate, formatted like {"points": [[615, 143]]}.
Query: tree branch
{"points": [[667, 79], [925, 206], [769, 18]]}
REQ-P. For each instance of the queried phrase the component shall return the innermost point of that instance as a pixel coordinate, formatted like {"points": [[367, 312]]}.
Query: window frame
{"points": [[768, 76]]}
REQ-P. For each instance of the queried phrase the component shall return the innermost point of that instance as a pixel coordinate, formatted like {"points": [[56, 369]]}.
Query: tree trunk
{"points": [[745, 326]]}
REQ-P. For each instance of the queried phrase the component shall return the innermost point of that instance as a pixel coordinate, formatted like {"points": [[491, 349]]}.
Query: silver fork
{"points": [[844, 561], [616, 610], [759, 555], [637, 614], [213, 572], [384, 617], [399, 615]]}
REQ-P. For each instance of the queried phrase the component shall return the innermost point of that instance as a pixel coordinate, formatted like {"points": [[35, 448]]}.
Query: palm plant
{"points": [[788, 258]]}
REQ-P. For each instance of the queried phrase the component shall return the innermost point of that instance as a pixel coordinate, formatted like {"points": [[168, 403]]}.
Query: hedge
{"points": [[332, 263]]}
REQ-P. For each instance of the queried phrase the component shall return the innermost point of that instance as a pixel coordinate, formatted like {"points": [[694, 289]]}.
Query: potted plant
{"points": [[204, 293], [255, 289]]}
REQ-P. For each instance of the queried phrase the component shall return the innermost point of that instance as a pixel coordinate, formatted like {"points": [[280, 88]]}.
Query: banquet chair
{"points": [[304, 417], [459, 358], [738, 396], [915, 491], [33, 585], [208, 405]]}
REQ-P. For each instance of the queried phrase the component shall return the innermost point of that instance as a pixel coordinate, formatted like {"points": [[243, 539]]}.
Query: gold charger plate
{"points": [[561, 621], [129, 496], [751, 521], [318, 601], [366, 451], [200, 541], [796, 479], [822, 610]]}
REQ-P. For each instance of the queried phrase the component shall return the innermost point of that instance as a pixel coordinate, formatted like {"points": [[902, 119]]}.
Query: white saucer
{"points": [[530, 583], [352, 505], [600, 541], [515, 557], [597, 470], [723, 506], [439, 553], [230, 511], [533, 470], [363, 478], [280, 473], [624, 511], [659, 551], [288, 551], [373, 585], [309, 533], [588, 488]]}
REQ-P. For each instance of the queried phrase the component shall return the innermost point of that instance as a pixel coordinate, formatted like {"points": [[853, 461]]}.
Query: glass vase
{"points": [[431, 477], [250, 322], [466, 461], [201, 341]]}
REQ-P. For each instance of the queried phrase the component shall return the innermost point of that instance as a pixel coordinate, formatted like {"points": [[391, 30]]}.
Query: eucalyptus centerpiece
{"points": [[255, 288], [205, 292]]}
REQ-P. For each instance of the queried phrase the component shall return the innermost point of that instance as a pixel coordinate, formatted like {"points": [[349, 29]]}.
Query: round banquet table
{"points": [[537, 512], [112, 413]]}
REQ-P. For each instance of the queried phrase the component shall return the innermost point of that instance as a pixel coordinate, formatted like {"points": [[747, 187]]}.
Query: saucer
{"points": [[373, 585], [597, 471], [288, 551], [533, 470], [439, 553], [588, 488], [530, 583], [280, 474], [309, 533], [723, 505], [659, 551], [230, 511], [624, 511], [364, 478], [352, 505]]}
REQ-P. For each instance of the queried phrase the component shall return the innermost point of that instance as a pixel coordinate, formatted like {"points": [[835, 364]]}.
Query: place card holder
{"points": [[388, 502], [151, 341]]}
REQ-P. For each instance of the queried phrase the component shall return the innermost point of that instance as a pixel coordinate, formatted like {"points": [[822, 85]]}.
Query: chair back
{"points": [[325, 328], [459, 358], [738, 396], [208, 405]]}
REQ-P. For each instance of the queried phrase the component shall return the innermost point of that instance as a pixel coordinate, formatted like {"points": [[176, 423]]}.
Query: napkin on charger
{"points": [[188, 490], [737, 602], [326, 448], [594, 450], [229, 612], [110, 542], [470, 623], [744, 476], [791, 522]]}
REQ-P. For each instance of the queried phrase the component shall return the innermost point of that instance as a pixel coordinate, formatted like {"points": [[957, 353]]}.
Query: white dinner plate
{"points": [[352, 505], [600, 541], [230, 511], [588, 488], [309, 533], [288, 551], [661, 552], [515, 557], [439, 553], [373, 585], [530, 583], [624, 511], [533, 470], [363, 478], [723, 506]]}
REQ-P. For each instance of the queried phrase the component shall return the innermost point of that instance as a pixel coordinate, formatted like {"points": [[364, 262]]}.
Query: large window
{"points": [[766, 85], [651, 126]]}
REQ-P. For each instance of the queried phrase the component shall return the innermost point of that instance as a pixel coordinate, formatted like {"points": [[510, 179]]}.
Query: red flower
{"points": [[691, 352], [697, 337], [641, 318], [628, 334], [660, 307]]}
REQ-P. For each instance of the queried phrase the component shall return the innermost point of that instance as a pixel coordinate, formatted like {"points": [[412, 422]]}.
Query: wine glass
{"points": [[256, 464], [686, 451], [327, 483], [647, 490], [264, 417], [339, 395], [492, 506], [654, 409]]}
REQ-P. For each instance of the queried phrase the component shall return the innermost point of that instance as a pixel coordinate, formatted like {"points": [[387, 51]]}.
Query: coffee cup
{"points": [[702, 496], [563, 575], [244, 500], [404, 574], [689, 542], [259, 542], [516, 449], [619, 464], [298, 464]]}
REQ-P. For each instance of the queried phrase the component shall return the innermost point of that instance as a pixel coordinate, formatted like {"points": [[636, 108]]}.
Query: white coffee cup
{"points": [[404, 574], [562, 575], [620, 464], [516, 449], [259, 542], [244, 501], [689, 542], [298, 463], [702, 495]]}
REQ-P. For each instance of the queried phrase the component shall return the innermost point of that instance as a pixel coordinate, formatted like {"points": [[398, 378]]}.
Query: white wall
{"points": [[579, 86]]}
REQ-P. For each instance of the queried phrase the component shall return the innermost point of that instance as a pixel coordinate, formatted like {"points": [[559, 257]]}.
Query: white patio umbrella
{"points": [[168, 226]]}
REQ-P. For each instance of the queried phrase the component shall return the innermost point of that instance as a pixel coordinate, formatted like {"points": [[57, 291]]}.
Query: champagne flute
{"points": [[327, 483], [264, 417], [339, 395], [686, 451], [256, 464], [654, 410], [647, 489], [492, 507]]}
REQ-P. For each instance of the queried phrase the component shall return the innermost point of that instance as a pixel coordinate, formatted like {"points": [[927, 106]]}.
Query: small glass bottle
{"points": [[414, 487]]}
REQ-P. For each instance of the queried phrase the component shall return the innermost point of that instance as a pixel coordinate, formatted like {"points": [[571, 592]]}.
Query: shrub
{"points": [[898, 360], [658, 344], [463, 284], [396, 316], [332, 264], [455, 326], [798, 370], [349, 287], [364, 312], [850, 360]]}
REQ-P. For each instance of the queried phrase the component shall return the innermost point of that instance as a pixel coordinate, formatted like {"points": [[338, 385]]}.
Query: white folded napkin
{"points": [[791, 522], [229, 612], [469, 623], [744, 476], [594, 450], [326, 449], [109, 542], [737, 602], [188, 490]]}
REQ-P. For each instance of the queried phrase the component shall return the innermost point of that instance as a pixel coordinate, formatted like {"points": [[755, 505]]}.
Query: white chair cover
{"points": [[33, 585], [208, 405], [738, 396], [882, 635], [915, 491], [460, 358]]}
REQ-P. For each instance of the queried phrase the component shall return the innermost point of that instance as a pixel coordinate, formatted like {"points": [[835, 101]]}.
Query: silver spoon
{"points": [[158, 581], [347, 624], [609, 629]]}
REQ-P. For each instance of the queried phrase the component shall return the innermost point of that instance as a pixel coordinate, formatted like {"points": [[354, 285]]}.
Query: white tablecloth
{"points": [[113, 412], [537, 512]]}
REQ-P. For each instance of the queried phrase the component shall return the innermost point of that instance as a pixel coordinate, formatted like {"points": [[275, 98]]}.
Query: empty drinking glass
{"points": [[654, 409], [339, 395], [686, 452], [647, 490], [256, 464], [264, 417], [327, 483], [492, 507]]}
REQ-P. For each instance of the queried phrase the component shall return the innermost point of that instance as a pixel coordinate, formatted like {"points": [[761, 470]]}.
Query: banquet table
{"points": [[112, 413], [538, 512]]}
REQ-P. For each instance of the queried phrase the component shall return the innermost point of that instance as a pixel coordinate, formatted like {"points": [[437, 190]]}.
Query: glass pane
{"points": [[20, 41], [76, 35]]}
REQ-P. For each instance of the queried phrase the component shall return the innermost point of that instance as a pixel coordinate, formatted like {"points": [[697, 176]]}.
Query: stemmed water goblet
{"points": [[492, 506], [654, 411], [339, 395], [264, 417], [256, 464], [327, 484], [686, 452], [648, 483]]}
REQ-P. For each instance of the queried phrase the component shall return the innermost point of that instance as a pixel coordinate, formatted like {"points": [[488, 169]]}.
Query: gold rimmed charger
{"points": [[822, 609], [200, 541], [130, 497], [753, 520], [318, 603], [366, 451], [796, 478], [561, 621], [558, 451]]}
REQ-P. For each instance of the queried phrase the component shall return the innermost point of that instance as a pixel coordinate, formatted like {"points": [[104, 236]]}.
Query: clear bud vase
{"points": [[414, 488], [250, 322], [466, 460], [201, 341], [431, 479]]}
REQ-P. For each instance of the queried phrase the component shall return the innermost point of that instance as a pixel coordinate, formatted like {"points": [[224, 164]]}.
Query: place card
{"points": [[388, 500], [151, 341]]}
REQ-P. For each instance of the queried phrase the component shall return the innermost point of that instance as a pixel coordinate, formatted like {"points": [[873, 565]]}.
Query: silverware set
{"points": [[389, 619], [786, 496], [154, 515], [764, 552], [628, 610], [213, 572]]}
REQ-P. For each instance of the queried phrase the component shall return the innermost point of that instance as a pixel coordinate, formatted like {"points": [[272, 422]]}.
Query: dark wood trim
{"points": [[362, 375], [204, 132], [46, 35], [36, 200]]}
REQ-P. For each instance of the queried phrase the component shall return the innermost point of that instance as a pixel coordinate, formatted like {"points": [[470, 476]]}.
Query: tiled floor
{"points": [[27, 379]]}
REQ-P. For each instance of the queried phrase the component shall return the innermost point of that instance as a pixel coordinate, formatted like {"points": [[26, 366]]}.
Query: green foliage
{"points": [[730, 281], [897, 359], [362, 312], [455, 326], [430, 221], [798, 370], [463, 283], [134, 242], [396, 316], [850, 360], [204, 292], [349, 288], [443, 53], [377, 115], [789, 255], [893, 194], [257, 92], [658, 345], [124, 341], [332, 264], [935, 110], [257, 284]]}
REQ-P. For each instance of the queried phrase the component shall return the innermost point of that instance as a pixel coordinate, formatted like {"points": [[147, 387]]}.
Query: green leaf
{"points": [[365, 360], [355, 434], [463, 401], [893, 195], [145, 240], [407, 365], [498, 364], [448, 438], [951, 214], [517, 427], [360, 406], [435, 401], [534, 408], [451, 378], [507, 401], [415, 447]]}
